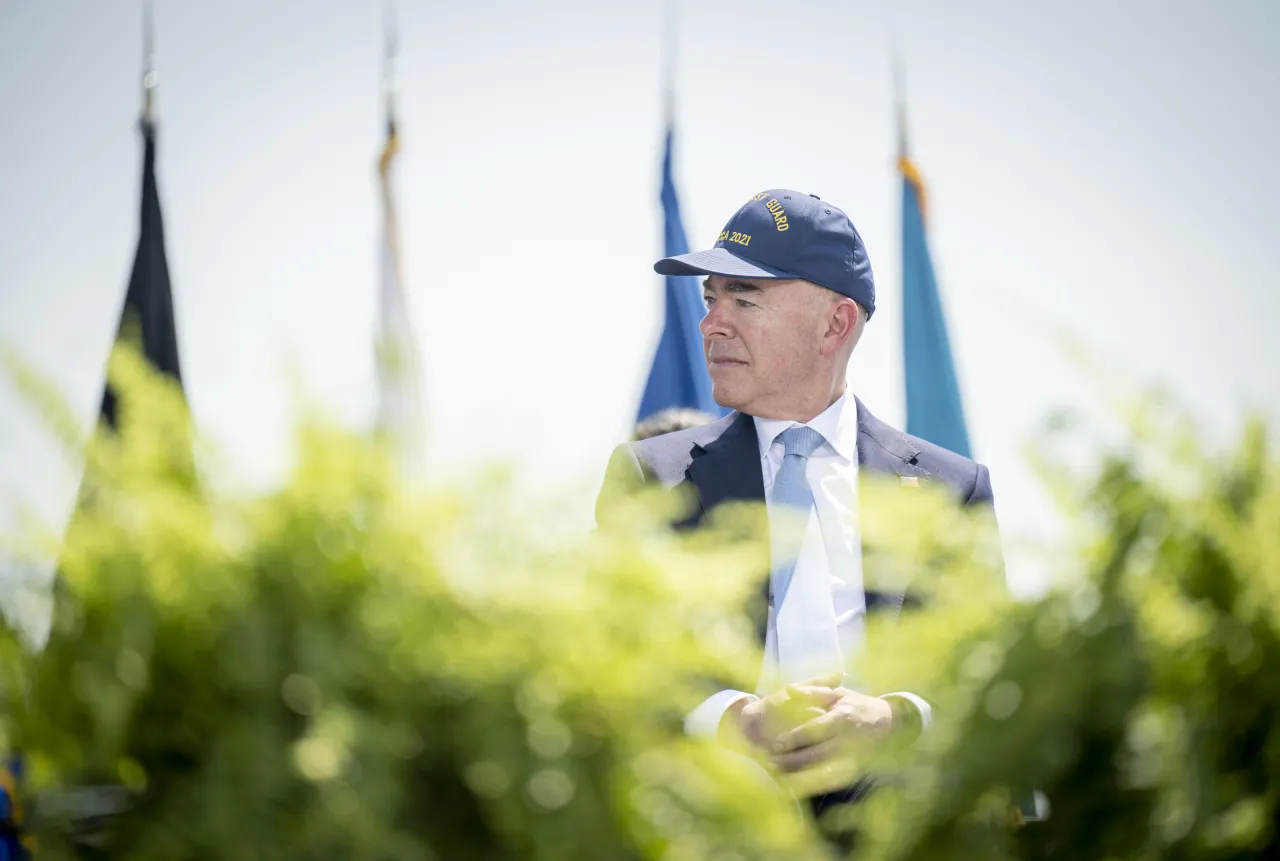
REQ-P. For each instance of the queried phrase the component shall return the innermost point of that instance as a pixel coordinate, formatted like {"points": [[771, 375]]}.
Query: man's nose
{"points": [[714, 325]]}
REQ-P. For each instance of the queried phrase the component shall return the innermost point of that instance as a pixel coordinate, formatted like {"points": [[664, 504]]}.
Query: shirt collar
{"points": [[838, 425]]}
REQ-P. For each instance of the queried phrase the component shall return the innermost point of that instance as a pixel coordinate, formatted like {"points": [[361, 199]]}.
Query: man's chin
{"points": [[725, 398]]}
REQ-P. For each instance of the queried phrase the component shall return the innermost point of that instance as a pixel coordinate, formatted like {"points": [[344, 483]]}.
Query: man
{"points": [[788, 291]]}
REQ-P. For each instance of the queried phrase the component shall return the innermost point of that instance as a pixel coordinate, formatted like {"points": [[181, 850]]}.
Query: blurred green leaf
{"points": [[346, 668]]}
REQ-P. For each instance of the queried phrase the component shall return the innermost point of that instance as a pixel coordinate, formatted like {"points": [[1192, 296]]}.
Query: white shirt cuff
{"points": [[921, 705], [704, 720]]}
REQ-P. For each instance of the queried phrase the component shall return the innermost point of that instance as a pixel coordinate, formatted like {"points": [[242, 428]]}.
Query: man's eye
{"points": [[708, 300], [743, 303]]}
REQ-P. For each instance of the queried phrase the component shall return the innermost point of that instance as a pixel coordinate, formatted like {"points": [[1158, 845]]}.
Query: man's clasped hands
{"points": [[810, 733]]}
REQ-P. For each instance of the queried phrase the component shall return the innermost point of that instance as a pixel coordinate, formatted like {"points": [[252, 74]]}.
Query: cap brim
{"points": [[716, 261]]}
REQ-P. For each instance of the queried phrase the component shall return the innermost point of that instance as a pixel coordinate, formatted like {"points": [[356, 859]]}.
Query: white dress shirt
{"points": [[822, 621]]}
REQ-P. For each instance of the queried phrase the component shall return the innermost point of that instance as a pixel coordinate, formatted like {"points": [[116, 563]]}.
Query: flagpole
{"points": [[900, 100], [400, 410], [906, 166], [670, 44], [390, 82], [390, 60], [150, 77]]}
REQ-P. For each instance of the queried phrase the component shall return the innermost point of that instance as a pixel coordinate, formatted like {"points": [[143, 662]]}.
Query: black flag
{"points": [[147, 317], [149, 302]]}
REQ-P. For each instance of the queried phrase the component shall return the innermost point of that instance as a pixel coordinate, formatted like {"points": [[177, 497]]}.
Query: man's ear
{"points": [[844, 324]]}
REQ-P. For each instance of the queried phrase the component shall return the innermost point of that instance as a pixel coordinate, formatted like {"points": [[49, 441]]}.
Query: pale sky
{"points": [[1103, 167]]}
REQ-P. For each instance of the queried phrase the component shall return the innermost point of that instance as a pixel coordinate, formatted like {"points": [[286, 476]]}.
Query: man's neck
{"points": [[803, 412]]}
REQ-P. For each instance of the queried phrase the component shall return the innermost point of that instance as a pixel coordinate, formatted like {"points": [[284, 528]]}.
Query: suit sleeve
{"points": [[981, 493], [980, 497], [622, 476]]}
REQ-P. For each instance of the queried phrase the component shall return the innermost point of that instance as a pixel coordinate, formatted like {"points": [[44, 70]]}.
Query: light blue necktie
{"points": [[791, 493], [806, 635]]}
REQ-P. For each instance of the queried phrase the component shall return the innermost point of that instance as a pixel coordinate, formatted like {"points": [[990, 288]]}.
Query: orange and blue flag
{"points": [[934, 408]]}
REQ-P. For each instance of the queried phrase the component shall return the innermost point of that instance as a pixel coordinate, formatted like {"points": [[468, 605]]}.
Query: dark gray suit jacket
{"points": [[720, 462]]}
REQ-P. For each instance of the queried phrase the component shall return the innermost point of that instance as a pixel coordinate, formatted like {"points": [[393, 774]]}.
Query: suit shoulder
{"points": [[944, 457], [665, 444], [966, 475], [665, 457]]}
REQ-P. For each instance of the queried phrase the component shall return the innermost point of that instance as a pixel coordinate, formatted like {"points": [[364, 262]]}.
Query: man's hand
{"points": [[848, 718], [810, 731], [754, 726]]}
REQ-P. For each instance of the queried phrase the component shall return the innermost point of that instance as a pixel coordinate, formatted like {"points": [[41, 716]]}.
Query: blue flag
{"points": [[678, 377], [934, 409]]}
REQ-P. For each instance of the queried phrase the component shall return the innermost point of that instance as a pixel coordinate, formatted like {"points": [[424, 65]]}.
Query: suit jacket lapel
{"points": [[727, 467], [885, 451]]}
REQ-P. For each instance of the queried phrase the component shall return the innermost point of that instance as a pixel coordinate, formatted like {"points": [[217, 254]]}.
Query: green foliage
{"points": [[343, 669], [1141, 699], [348, 668]]}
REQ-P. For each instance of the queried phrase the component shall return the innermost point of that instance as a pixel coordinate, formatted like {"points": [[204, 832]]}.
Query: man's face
{"points": [[761, 339]]}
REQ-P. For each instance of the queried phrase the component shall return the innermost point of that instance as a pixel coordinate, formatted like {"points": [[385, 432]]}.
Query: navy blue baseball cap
{"points": [[786, 234]]}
